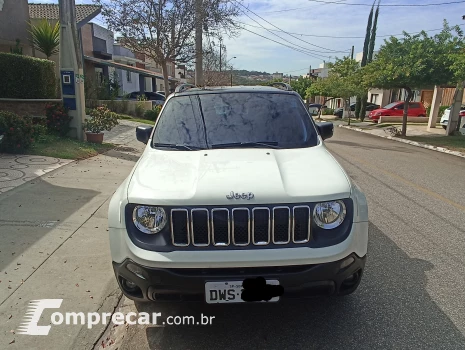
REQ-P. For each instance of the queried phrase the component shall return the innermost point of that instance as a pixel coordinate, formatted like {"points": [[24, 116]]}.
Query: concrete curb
{"points": [[413, 143]]}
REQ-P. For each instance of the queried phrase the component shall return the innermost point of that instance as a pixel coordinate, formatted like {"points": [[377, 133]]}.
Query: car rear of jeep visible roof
{"points": [[187, 89]]}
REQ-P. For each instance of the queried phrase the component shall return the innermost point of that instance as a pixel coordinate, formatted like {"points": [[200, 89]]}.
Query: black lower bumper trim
{"points": [[165, 284]]}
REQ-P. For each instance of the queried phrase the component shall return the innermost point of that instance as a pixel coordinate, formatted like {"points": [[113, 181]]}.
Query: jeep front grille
{"points": [[221, 227]]}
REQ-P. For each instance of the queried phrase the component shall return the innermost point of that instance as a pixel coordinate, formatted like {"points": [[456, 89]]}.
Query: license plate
{"points": [[229, 292]]}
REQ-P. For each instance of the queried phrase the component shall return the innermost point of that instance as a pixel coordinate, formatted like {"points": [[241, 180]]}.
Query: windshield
{"points": [[245, 119], [390, 105]]}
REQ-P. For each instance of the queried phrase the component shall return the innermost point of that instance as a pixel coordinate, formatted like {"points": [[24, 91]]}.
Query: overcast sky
{"points": [[317, 18]]}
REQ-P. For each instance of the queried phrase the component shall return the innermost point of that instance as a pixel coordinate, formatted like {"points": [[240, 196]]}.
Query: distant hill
{"points": [[246, 73]]}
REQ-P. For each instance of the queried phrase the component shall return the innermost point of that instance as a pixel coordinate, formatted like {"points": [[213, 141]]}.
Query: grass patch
{"points": [[455, 143], [59, 147], [144, 121], [383, 125], [138, 120], [124, 116]]}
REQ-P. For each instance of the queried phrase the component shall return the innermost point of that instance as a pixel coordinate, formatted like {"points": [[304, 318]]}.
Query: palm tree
{"points": [[46, 38]]}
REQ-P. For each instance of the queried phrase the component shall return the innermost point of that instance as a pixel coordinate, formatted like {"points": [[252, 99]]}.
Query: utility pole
{"points": [[352, 53], [71, 68], [198, 43], [221, 47]]}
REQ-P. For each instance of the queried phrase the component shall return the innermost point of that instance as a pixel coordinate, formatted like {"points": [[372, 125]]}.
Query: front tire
{"points": [[444, 127]]}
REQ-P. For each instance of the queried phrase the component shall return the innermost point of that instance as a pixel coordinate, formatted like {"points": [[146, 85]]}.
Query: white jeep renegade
{"points": [[236, 198]]}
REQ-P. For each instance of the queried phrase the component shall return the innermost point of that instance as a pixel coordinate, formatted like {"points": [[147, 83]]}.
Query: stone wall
{"points": [[25, 107]]}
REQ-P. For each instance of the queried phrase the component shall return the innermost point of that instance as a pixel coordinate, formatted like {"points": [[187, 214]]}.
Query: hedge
{"points": [[27, 77]]}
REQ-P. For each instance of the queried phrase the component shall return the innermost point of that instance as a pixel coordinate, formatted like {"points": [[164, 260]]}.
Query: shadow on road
{"points": [[124, 153], [391, 310]]}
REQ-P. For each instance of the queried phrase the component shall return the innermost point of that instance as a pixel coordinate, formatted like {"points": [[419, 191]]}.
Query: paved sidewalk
{"points": [[16, 170], [122, 134], [412, 130], [54, 245], [415, 131]]}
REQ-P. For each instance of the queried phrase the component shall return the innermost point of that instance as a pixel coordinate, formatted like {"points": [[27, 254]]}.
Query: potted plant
{"points": [[101, 119]]}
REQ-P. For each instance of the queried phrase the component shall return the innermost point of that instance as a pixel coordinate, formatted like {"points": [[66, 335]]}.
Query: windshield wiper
{"points": [[266, 144], [179, 147]]}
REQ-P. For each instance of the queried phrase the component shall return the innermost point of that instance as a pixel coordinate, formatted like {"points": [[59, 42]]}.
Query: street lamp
{"points": [[231, 69]]}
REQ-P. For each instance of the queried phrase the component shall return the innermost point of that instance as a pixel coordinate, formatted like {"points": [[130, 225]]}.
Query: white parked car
{"points": [[445, 117], [234, 199]]}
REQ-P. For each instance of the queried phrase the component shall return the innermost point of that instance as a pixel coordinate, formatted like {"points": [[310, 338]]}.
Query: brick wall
{"points": [[25, 107]]}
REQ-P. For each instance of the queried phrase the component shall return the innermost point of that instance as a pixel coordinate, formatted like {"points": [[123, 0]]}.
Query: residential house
{"points": [[128, 81], [98, 44], [14, 15], [180, 73], [446, 100], [278, 76], [151, 65], [51, 12]]}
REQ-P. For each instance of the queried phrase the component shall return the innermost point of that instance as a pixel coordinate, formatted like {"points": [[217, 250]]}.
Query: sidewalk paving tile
{"points": [[15, 170]]}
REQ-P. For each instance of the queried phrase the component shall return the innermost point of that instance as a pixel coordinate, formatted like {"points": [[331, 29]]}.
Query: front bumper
{"points": [[183, 284]]}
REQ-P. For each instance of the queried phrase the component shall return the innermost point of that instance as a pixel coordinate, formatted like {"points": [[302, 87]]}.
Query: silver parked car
{"points": [[445, 117]]}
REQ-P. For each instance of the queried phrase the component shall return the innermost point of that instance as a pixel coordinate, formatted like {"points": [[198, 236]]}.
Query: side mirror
{"points": [[143, 133], [326, 130]]}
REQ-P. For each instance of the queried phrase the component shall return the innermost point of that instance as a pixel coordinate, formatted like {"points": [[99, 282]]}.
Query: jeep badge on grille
{"points": [[247, 196]]}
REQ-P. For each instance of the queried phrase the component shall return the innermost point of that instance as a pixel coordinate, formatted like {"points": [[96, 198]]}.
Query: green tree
{"points": [[344, 81], [415, 62], [46, 38], [301, 85]]}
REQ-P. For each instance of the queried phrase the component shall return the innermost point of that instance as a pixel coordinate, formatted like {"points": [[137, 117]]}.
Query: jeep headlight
{"points": [[149, 220], [329, 215]]}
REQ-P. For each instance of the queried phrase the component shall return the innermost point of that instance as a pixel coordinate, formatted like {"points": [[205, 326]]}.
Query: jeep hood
{"points": [[186, 178]]}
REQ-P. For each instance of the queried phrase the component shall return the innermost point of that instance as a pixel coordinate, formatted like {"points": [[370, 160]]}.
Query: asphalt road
{"points": [[413, 292]]}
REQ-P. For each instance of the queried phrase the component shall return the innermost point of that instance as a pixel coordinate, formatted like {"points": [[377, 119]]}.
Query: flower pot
{"points": [[94, 138]]}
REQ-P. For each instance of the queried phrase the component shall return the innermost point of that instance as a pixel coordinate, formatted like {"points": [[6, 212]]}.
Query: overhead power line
{"points": [[310, 53], [277, 42], [389, 5], [345, 37], [309, 43], [349, 4]]}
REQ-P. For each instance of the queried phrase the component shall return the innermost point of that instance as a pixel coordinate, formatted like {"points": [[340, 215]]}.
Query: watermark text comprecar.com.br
{"points": [[90, 319]]}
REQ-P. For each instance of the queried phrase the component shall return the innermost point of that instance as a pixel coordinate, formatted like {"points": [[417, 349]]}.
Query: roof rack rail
{"points": [[184, 87], [282, 86]]}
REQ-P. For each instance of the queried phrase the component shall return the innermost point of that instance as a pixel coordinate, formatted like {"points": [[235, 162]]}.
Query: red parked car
{"points": [[396, 109]]}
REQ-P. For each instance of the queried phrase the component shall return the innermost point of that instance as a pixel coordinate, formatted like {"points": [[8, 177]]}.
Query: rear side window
{"points": [[415, 105]]}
